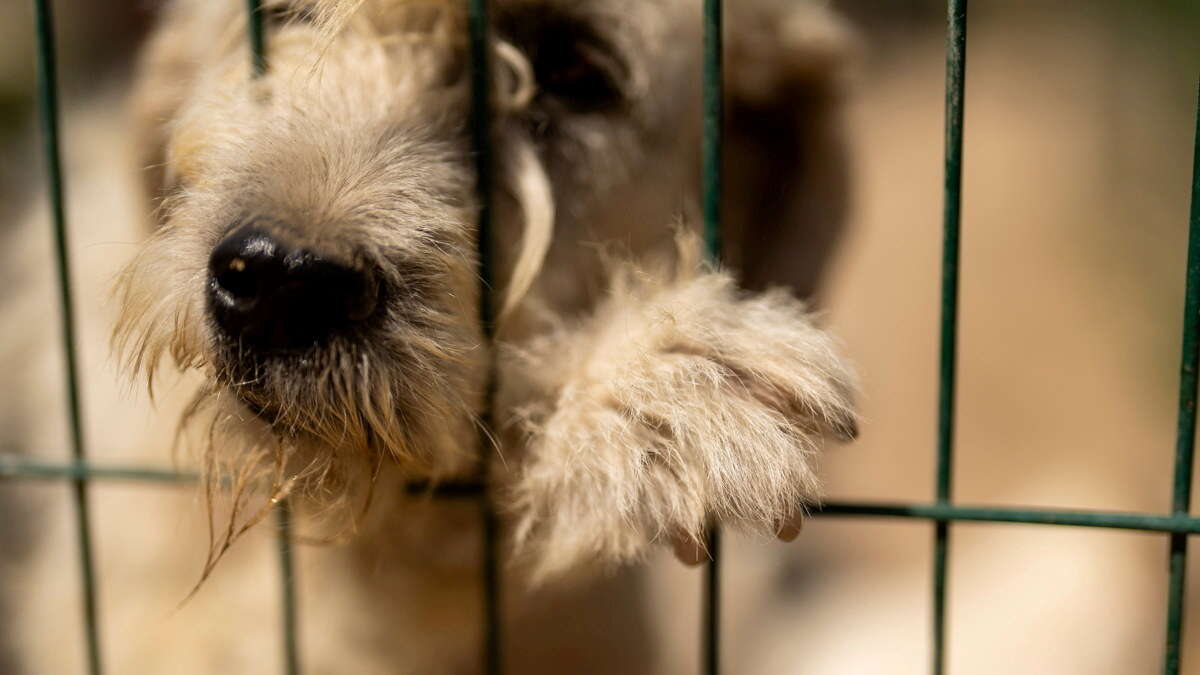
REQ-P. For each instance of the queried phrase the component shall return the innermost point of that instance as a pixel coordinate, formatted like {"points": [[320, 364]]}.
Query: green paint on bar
{"points": [[956, 56], [255, 35], [1185, 433], [283, 511], [478, 28], [712, 153], [48, 109]]}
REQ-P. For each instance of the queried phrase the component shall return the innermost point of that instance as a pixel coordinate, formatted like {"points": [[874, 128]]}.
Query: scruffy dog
{"points": [[314, 261]]}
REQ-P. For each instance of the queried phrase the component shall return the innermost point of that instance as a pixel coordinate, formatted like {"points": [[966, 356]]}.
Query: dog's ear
{"points": [[786, 162]]}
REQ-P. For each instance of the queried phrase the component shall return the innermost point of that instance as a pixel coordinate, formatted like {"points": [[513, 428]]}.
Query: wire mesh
{"points": [[1177, 524]]}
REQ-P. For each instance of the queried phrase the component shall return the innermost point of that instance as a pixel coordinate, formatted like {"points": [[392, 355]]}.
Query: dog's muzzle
{"points": [[268, 294]]}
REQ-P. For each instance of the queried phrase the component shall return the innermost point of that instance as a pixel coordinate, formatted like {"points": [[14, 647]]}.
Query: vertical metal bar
{"points": [[481, 136], [956, 58], [258, 48], [1185, 434], [287, 574], [283, 510], [713, 118], [941, 547], [712, 604], [712, 152], [48, 108], [477, 20]]}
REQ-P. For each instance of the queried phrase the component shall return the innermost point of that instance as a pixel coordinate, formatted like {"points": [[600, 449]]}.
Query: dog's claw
{"points": [[689, 551], [791, 529]]}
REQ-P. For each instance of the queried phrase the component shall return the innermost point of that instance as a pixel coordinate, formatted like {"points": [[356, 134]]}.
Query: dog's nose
{"points": [[271, 294]]}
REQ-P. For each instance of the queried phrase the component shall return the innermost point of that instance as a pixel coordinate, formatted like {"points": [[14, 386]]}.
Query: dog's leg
{"points": [[680, 401], [787, 168]]}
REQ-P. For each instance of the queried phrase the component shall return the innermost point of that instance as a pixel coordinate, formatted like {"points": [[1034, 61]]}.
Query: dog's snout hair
{"points": [[350, 273], [314, 256]]}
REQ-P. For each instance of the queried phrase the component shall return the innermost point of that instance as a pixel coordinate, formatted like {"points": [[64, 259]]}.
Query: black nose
{"points": [[270, 294]]}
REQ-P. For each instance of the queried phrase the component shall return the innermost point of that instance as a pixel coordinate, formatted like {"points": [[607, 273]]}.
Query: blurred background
{"points": [[1078, 153]]}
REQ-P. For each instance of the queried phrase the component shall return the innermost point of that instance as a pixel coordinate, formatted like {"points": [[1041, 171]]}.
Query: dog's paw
{"points": [[677, 404]]}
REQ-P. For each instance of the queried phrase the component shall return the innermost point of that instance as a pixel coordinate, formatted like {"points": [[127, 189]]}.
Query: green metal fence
{"points": [[1176, 525]]}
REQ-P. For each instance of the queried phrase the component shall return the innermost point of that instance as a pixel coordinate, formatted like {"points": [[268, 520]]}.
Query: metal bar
{"points": [[258, 45], [48, 107], [24, 467], [712, 151], [291, 648], [477, 24], [956, 57], [17, 467], [712, 603], [1145, 522], [1185, 433], [283, 510], [452, 490], [713, 145], [941, 551]]}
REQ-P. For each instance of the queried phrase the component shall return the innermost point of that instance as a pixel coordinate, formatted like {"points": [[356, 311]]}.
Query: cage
{"points": [[1175, 526]]}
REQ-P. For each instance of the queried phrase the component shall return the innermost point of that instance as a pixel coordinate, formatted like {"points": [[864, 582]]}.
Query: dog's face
{"points": [[316, 251]]}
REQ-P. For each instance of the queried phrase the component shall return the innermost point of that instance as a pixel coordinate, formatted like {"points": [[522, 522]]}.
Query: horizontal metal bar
{"points": [[20, 466], [1083, 518], [13, 467], [454, 489]]}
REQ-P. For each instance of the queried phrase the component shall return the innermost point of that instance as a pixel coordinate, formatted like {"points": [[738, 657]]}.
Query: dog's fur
{"points": [[641, 394]]}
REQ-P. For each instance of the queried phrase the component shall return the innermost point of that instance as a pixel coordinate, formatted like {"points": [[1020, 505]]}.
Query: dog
{"points": [[311, 266]]}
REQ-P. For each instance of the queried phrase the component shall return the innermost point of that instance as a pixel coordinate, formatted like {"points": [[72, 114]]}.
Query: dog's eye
{"points": [[574, 64], [583, 75], [579, 71]]}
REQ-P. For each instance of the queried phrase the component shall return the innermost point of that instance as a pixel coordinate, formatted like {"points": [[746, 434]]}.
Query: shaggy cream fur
{"points": [[678, 401], [641, 393]]}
